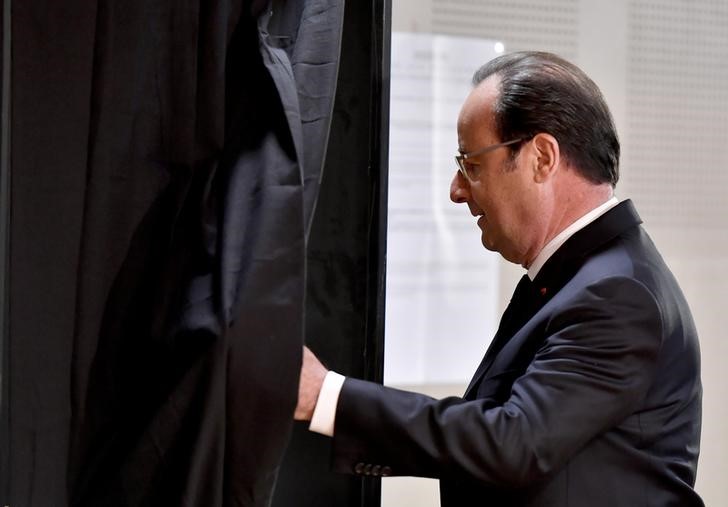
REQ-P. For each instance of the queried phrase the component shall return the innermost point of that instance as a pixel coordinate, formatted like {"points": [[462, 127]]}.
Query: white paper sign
{"points": [[442, 284]]}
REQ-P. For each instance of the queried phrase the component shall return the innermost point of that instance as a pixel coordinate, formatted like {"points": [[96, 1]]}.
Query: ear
{"points": [[546, 157]]}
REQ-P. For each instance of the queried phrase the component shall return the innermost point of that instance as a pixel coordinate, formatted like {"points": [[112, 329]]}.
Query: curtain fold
{"points": [[177, 275]]}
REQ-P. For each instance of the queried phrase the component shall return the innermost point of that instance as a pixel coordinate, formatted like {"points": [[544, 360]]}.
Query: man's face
{"points": [[502, 192]]}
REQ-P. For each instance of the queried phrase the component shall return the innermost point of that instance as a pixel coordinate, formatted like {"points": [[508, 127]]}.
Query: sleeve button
{"points": [[359, 468], [386, 471]]}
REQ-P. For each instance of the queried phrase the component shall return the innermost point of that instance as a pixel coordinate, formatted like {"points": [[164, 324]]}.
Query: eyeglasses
{"points": [[460, 159]]}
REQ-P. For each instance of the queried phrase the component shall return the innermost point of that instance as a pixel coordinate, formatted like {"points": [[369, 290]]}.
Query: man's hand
{"points": [[312, 377]]}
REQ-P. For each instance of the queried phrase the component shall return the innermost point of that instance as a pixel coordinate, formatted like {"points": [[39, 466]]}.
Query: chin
{"points": [[488, 245], [492, 247]]}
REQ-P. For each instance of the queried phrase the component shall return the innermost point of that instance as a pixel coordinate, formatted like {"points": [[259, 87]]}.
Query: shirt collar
{"points": [[561, 237]]}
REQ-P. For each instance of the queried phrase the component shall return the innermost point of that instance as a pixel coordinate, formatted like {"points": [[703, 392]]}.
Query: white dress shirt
{"points": [[324, 414]]}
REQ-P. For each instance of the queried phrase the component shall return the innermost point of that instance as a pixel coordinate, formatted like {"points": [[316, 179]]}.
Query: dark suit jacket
{"points": [[589, 395]]}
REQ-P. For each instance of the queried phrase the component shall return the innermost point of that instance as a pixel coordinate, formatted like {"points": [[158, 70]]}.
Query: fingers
{"points": [[311, 380]]}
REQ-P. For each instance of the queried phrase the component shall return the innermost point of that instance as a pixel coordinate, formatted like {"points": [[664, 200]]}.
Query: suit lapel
{"points": [[530, 297]]}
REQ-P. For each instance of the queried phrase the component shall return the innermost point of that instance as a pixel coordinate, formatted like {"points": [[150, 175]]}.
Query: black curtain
{"points": [[346, 253], [164, 170]]}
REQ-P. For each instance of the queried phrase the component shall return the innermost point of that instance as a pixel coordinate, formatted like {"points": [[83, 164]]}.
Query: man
{"points": [[590, 391]]}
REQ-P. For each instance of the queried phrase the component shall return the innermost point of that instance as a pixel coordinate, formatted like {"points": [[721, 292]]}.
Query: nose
{"points": [[459, 189]]}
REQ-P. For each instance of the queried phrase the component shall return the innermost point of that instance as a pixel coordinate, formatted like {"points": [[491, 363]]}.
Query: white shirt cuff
{"points": [[324, 414]]}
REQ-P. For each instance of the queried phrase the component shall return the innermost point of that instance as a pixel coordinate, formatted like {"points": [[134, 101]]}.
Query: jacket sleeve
{"points": [[592, 370]]}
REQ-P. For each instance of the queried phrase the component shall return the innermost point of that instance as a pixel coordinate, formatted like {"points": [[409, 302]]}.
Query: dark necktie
{"points": [[517, 311], [516, 314]]}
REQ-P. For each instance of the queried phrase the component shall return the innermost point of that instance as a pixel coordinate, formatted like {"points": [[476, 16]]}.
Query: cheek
{"points": [[500, 204], [503, 196], [508, 209]]}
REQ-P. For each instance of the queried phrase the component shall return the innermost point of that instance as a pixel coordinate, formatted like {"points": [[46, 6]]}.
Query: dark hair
{"points": [[541, 92]]}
